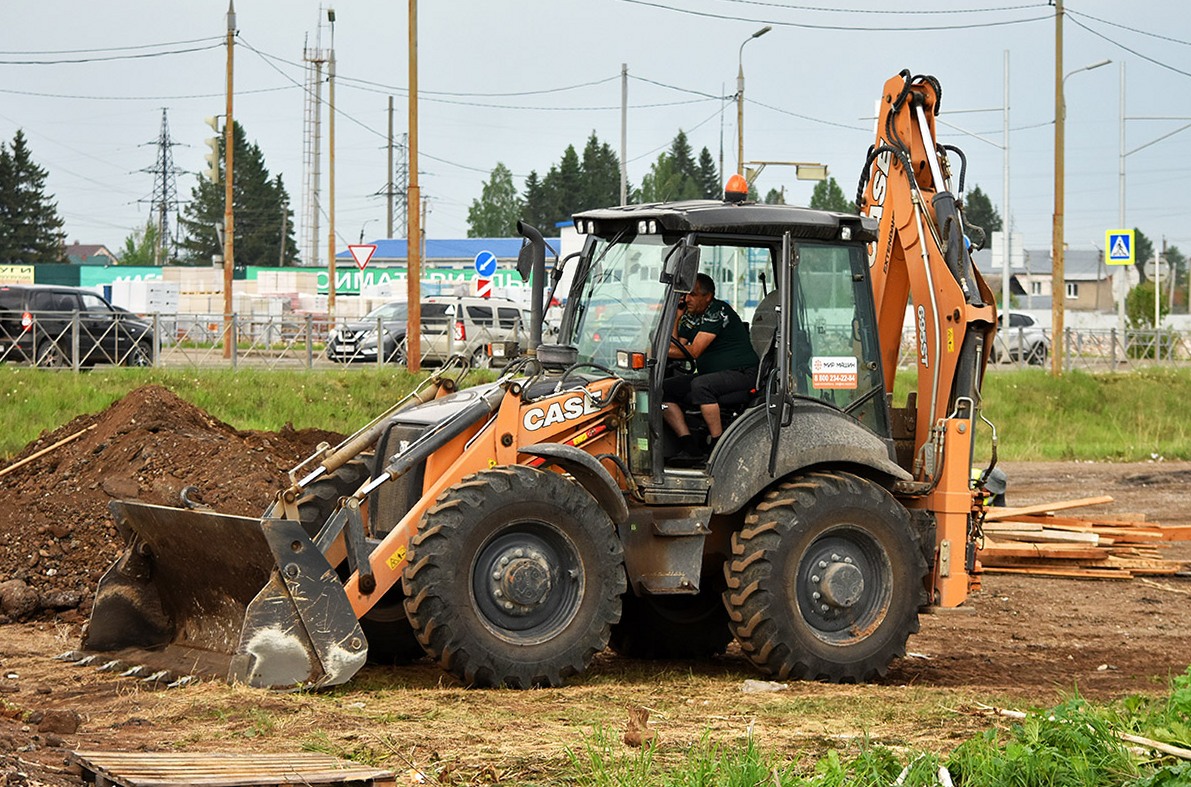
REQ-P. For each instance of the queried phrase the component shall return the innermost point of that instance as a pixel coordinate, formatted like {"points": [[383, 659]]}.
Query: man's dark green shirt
{"points": [[731, 348]]}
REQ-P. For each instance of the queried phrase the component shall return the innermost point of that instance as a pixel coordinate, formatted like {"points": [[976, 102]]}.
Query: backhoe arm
{"points": [[921, 257]]}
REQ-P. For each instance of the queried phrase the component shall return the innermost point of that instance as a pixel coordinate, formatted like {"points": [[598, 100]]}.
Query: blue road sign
{"points": [[1119, 244], [486, 263]]}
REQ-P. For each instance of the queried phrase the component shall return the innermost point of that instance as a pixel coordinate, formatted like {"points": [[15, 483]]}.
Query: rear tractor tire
{"points": [[514, 578], [391, 640], [825, 580]]}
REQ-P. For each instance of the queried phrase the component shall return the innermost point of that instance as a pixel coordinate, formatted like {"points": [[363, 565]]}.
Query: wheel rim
{"points": [[527, 582], [844, 585]]}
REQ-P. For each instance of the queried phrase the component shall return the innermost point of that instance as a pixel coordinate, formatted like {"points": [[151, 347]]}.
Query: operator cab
{"points": [[797, 276]]}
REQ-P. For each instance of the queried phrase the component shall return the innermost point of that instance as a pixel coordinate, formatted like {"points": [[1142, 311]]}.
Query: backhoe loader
{"points": [[514, 529]]}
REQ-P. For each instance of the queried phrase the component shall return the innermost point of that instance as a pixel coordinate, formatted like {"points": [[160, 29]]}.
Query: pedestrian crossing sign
{"points": [[1118, 245]]}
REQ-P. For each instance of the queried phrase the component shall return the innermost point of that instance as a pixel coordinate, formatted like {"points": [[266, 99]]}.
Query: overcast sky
{"points": [[516, 82]]}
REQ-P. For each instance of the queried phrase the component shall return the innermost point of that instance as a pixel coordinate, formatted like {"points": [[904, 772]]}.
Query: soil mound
{"points": [[56, 535]]}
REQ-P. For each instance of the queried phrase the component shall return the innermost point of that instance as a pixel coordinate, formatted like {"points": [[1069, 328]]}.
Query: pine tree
{"points": [[829, 196], [30, 227], [684, 160], [709, 176], [979, 211], [533, 200], [674, 176], [495, 213], [258, 202], [601, 175]]}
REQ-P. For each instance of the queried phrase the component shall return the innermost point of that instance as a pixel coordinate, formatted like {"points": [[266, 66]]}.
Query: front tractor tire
{"points": [[514, 578], [825, 580]]}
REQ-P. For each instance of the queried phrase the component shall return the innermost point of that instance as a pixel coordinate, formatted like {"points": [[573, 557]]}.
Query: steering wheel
{"points": [[684, 365]]}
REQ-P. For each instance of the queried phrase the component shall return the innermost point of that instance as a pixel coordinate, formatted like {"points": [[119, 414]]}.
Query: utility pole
{"points": [[413, 203], [624, 122], [1006, 245], [284, 233], [389, 178], [229, 228], [1058, 289], [331, 170]]}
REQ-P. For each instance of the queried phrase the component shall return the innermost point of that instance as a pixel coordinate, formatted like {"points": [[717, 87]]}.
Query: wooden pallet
{"points": [[221, 769], [1035, 540]]}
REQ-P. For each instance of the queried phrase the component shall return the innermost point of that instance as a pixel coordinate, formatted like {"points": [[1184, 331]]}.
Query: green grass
{"points": [[1116, 417], [1071, 745]]}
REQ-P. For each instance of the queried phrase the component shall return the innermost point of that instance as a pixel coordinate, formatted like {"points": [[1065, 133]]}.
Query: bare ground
{"points": [[1026, 641]]}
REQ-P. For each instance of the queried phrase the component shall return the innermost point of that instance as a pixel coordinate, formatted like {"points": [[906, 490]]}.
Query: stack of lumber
{"points": [[1037, 540]]}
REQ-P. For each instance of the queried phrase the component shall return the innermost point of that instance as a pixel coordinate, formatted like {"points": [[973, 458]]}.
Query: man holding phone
{"points": [[712, 333]]}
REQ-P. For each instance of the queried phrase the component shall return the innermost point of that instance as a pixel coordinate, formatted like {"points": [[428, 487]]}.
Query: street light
{"points": [[740, 98], [362, 226], [1058, 288]]}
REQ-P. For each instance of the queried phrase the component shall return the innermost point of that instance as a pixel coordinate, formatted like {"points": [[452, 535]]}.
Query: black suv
{"points": [[40, 324], [360, 339]]}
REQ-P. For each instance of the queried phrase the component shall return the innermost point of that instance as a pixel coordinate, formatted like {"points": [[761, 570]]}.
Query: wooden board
{"points": [[1071, 573], [997, 514], [218, 769], [1027, 550], [1047, 535]]}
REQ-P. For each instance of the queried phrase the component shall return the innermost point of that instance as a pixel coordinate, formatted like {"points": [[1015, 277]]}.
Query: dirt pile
{"points": [[56, 535]]}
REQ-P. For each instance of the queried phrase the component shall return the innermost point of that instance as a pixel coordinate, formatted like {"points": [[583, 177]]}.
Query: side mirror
{"points": [[682, 264]]}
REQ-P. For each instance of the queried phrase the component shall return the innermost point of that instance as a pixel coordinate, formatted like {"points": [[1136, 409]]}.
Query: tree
{"points": [[30, 227], [979, 212], [674, 176], [1143, 252], [709, 176], [829, 196], [140, 248], [601, 175], [495, 213], [1139, 306], [261, 209], [775, 197], [1178, 264], [534, 201]]}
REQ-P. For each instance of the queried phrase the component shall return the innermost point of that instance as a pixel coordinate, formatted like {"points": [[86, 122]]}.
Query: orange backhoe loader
{"points": [[514, 529]]}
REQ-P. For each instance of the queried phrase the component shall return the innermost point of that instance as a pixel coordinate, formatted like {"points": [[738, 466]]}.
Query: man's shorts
{"points": [[701, 389]]}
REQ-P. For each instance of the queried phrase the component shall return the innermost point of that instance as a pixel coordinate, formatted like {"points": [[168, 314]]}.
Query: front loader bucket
{"points": [[201, 593]]}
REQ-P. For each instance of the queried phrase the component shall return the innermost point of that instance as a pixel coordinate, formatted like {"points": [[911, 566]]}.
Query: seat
{"points": [[762, 332]]}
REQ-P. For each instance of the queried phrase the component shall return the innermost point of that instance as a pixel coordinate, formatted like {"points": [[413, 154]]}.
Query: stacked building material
{"points": [[1037, 540]]}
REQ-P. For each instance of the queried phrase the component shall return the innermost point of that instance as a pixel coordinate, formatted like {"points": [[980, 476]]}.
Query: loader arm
{"points": [[921, 258]]}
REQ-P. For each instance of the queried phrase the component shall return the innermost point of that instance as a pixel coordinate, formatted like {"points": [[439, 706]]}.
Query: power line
{"points": [[142, 98], [1130, 29], [902, 12], [76, 61], [112, 48], [850, 28], [807, 117], [1130, 50]]}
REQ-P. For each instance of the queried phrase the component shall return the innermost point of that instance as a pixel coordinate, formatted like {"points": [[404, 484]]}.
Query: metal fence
{"points": [[1085, 349], [302, 341]]}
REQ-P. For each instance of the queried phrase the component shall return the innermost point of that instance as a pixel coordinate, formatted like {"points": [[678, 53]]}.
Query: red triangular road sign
{"points": [[361, 253]]}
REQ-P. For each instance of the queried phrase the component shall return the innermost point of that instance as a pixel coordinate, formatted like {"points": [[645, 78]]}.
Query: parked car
{"points": [[38, 325], [1024, 339], [468, 327], [383, 327]]}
